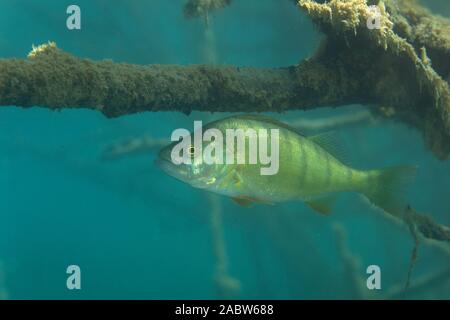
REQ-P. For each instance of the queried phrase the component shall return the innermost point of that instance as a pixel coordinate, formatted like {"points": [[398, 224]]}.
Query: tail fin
{"points": [[386, 187]]}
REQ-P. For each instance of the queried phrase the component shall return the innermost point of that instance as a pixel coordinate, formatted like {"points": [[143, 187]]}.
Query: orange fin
{"points": [[322, 205], [243, 202], [248, 201]]}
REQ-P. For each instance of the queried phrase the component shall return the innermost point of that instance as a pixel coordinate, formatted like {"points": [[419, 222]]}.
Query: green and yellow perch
{"points": [[310, 170]]}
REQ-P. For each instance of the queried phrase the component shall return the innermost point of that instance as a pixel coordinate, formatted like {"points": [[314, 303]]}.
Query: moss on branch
{"points": [[405, 60]]}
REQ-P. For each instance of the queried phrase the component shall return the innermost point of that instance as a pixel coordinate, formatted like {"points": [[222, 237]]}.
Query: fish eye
{"points": [[191, 150]]}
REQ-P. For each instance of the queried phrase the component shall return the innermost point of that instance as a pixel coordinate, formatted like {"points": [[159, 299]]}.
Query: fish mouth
{"points": [[164, 164], [170, 168]]}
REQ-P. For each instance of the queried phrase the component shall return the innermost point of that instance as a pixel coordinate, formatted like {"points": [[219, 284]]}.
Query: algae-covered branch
{"points": [[404, 62], [55, 79]]}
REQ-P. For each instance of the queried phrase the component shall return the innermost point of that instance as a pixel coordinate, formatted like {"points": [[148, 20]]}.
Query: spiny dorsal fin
{"points": [[331, 142], [322, 205], [266, 119]]}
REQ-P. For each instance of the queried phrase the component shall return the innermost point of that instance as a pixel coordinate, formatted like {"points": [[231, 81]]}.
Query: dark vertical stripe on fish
{"points": [[304, 161]]}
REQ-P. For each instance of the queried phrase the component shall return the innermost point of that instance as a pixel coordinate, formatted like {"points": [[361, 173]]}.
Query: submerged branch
{"points": [[227, 286], [132, 146], [427, 227], [351, 264], [55, 79], [403, 61], [422, 285], [363, 117]]}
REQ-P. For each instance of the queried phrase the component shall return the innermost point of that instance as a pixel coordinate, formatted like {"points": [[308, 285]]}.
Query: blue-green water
{"points": [[137, 233]]}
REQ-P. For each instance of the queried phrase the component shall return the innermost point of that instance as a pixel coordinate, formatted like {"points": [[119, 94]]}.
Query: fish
{"points": [[311, 169]]}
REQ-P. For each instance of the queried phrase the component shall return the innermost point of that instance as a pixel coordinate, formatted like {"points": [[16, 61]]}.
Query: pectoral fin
{"points": [[322, 205]]}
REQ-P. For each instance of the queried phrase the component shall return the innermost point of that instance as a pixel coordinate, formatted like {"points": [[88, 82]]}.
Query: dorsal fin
{"points": [[331, 142], [266, 119]]}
